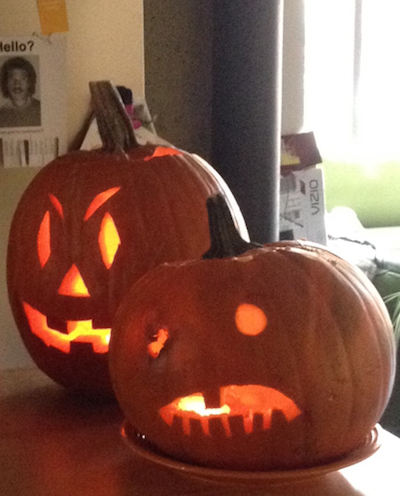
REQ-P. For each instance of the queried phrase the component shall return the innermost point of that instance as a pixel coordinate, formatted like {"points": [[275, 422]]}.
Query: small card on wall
{"points": [[52, 16], [33, 106]]}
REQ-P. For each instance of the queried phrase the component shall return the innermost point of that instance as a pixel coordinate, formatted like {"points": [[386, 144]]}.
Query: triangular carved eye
{"points": [[109, 240]]}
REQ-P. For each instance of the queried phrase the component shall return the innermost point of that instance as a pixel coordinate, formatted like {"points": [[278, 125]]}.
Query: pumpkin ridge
{"points": [[300, 395], [344, 351], [295, 262], [313, 323], [378, 343], [380, 392], [182, 248], [347, 363], [367, 313], [198, 185]]}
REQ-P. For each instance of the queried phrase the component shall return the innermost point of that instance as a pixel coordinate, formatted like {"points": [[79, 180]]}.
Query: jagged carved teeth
{"points": [[77, 331], [254, 404]]}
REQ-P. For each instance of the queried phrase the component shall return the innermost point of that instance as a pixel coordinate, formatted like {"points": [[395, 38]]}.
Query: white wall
{"points": [[293, 64], [105, 41]]}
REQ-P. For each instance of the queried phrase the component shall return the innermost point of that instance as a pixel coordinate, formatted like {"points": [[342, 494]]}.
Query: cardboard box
{"points": [[302, 206], [302, 198]]}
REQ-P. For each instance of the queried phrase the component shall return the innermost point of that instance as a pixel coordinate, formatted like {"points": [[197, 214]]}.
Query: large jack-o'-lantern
{"points": [[90, 224], [255, 358]]}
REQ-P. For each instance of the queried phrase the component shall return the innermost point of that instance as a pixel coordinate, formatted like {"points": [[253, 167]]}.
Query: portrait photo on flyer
{"points": [[32, 100]]}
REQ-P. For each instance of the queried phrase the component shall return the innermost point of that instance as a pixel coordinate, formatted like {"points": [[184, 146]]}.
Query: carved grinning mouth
{"points": [[254, 404], [78, 331]]}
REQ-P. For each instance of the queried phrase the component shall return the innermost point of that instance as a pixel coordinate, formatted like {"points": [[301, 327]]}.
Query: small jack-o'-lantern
{"points": [[263, 358], [90, 224]]}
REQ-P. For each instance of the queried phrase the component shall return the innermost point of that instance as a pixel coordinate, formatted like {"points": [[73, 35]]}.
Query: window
{"points": [[352, 78]]}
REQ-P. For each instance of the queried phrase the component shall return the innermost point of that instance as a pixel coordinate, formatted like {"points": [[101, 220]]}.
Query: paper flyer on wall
{"points": [[33, 105]]}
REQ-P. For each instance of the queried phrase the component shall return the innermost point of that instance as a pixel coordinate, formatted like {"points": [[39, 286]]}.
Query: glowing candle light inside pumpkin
{"points": [[250, 319], [80, 331], [43, 240], [157, 345], [99, 200], [163, 151], [243, 401], [109, 240], [73, 284], [57, 205], [195, 403]]}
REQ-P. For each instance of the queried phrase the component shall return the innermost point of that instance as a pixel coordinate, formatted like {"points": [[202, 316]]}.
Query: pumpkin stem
{"points": [[225, 238], [115, 127]]}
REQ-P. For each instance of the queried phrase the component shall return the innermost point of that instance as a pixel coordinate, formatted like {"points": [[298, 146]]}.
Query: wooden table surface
{"points": [[55, 444]]}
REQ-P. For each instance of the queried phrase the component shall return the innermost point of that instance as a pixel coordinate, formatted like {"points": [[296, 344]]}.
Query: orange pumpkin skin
{"points": [[151, 200], [323, 356]]}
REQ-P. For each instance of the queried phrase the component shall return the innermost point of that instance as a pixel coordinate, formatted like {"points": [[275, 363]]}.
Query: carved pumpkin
{"points": [[90, 224], [257, 357]]}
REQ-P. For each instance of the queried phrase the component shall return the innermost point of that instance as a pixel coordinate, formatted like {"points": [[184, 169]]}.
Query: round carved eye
{"points": [[250, 319]]}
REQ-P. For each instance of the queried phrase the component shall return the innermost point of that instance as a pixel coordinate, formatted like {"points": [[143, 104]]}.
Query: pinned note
{"points": [[33, 104], [52, 16]]}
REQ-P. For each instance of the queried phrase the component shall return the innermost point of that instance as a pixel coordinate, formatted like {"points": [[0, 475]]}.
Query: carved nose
{"points": [[73, 283]]}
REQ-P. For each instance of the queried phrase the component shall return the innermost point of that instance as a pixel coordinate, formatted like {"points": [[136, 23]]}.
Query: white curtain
{"points": [[352, 78]]}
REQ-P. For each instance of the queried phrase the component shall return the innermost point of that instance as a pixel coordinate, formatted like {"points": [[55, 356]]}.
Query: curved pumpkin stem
{"points": [[225, 238], [115, 127]]}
